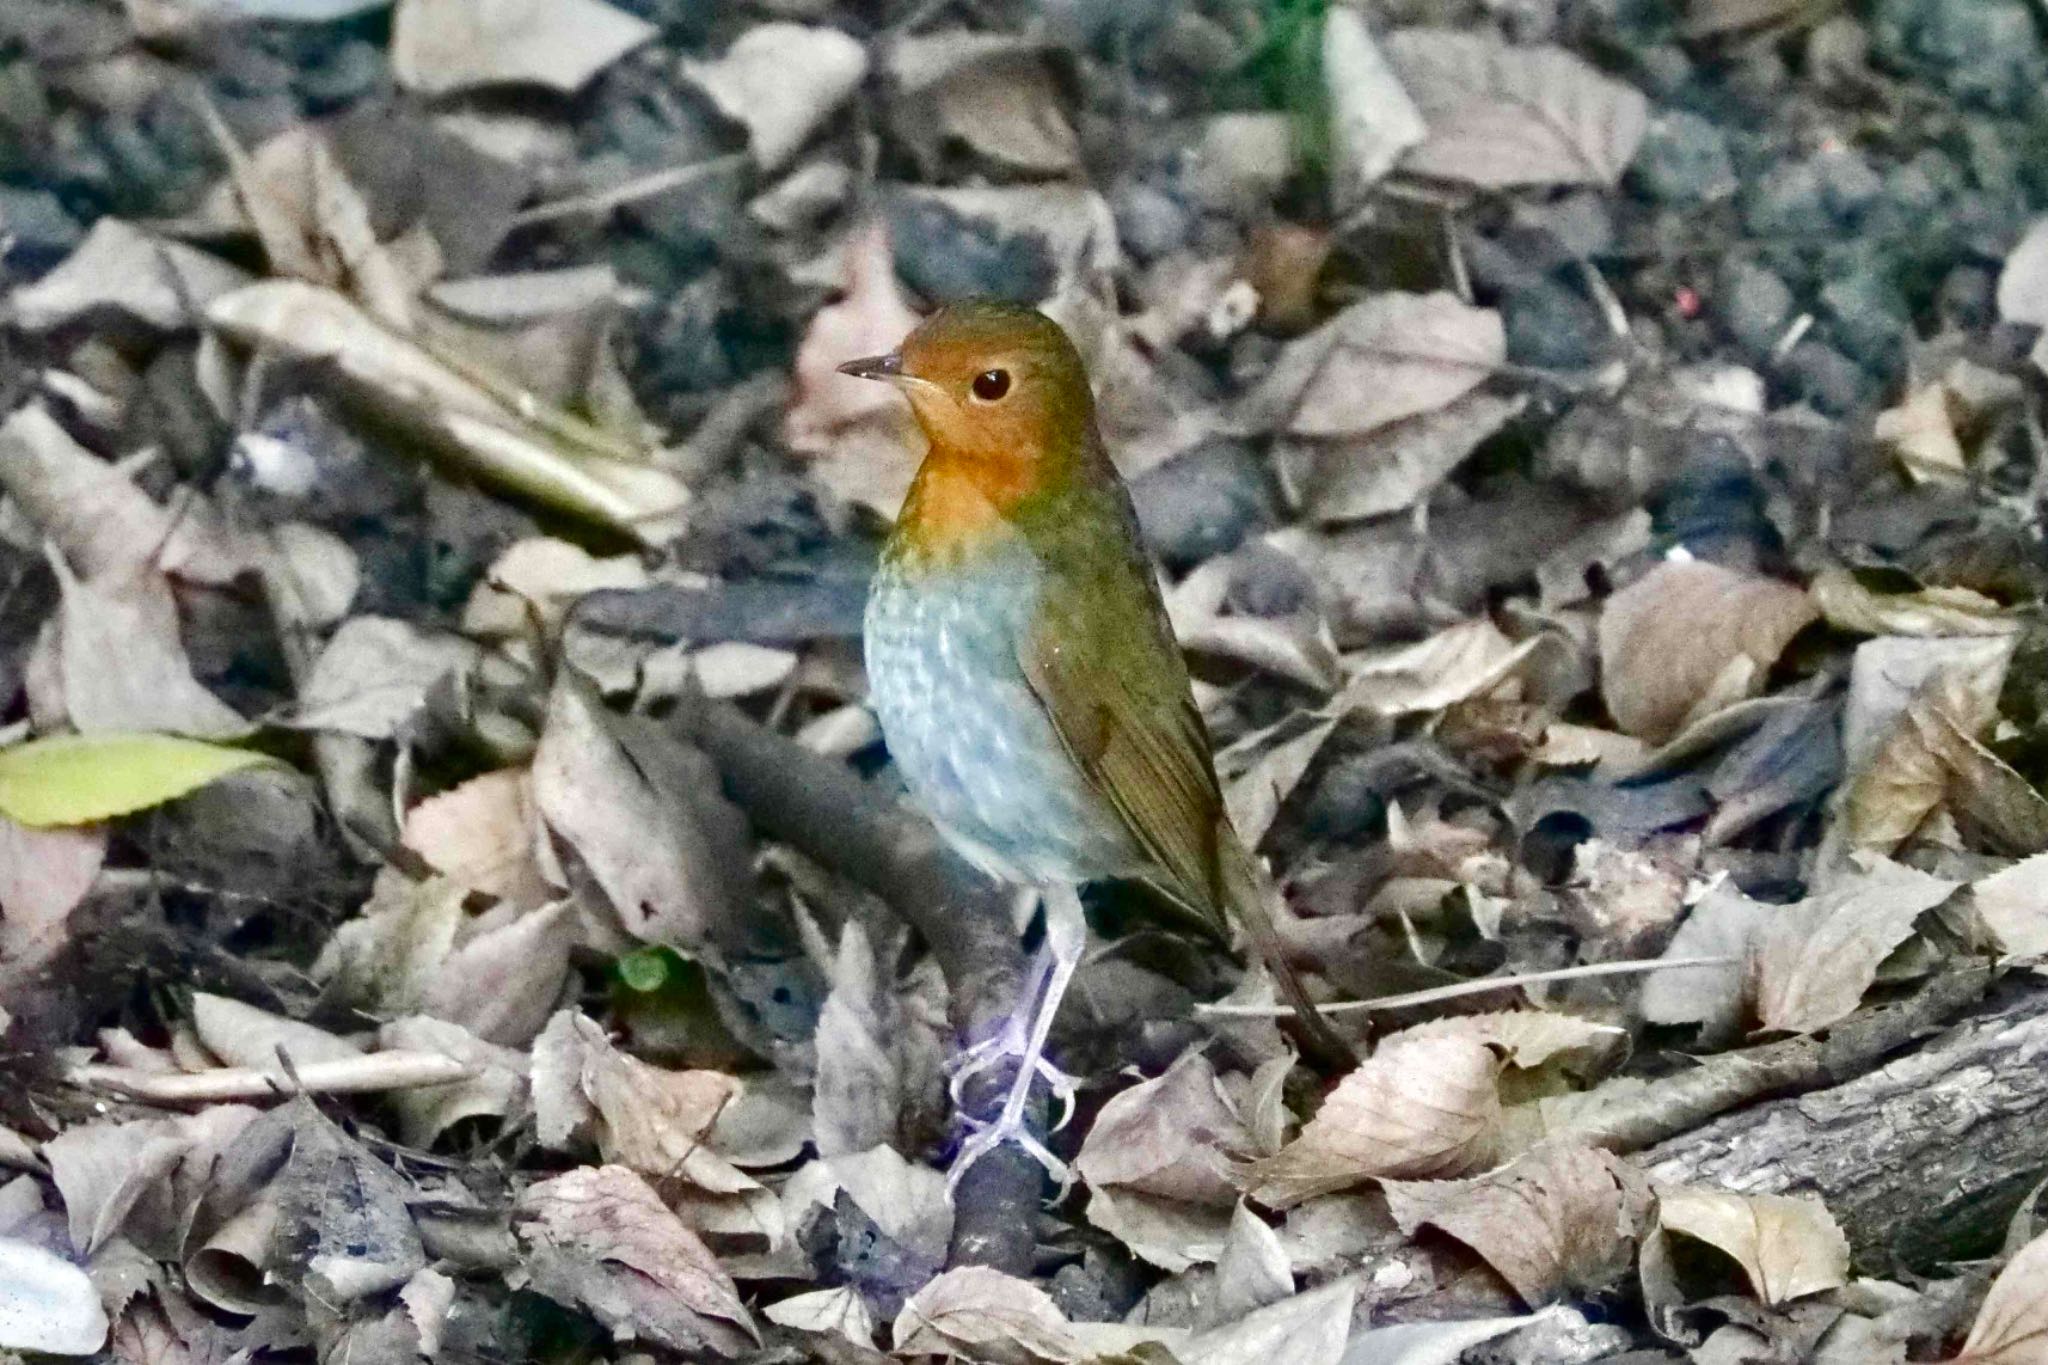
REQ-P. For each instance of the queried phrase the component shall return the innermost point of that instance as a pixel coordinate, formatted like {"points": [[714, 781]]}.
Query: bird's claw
{"points": [[1007, 1128], [993, 1052]]}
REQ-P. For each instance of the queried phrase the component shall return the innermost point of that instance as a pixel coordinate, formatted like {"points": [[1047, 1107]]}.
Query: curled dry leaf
{"points": [[137, 1180], [456, 407], [1812, 961], [1428, 1107], [1688, 638], [2023, 285], [989, 91], [1527, 1039], [1260, 771], [1501, 115], [1921, 433], [781, 82], [1253, 1270], [1158, 1163], [1398, 465], [439, 46], [1724, 923], [532, 585], [878, 1068], [1388, 357], [2012, 1323], [1849, 603], [1787, 1247], [1556, 1220], [862, 431], [242, 1035], [600, 1239]]}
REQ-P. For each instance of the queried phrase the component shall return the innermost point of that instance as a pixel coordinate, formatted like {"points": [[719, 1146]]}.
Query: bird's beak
{"points": [[887, 368]]}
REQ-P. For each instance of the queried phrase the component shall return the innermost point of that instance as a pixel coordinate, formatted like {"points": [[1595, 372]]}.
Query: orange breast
{"points": [[957, 505]]}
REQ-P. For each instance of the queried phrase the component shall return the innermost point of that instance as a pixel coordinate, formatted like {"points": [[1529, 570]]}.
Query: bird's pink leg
{"points": [[1065, 936]]}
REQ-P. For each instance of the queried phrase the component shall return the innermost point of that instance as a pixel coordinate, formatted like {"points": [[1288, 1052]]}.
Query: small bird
{"points": [[1027, 680]]}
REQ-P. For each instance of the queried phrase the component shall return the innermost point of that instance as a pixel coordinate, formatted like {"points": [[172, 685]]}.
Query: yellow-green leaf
{"points": [[73, 779]]}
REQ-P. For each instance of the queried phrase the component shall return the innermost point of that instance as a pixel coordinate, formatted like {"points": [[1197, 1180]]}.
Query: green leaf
{"points": [[76, 779], [645, 970]]}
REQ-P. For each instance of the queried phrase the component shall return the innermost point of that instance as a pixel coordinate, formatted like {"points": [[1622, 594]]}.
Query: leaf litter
{"points": [[1626, 658]]}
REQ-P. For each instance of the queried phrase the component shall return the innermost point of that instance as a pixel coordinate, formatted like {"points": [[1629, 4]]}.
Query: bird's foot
{"points": [[1006, 1127], [1009, 1043]]}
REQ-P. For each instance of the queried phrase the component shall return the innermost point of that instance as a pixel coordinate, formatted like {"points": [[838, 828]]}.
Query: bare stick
{"points": [[379, 1071]]}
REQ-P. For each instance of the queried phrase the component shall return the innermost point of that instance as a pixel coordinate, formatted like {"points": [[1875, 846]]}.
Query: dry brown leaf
{"points": [[781, 82], [1921, 434], [1812, 961], [1259, 773], [842, 1312], [374, 673], [1305, 1329], [991, 92], [242, 1035], [2012, 903], [1158, 1164], [1928, 756], [842, 420], [123, 661], [876, 1078], [1527, 1039], [1398, 465], [438, 46], [1723, 923], [1787, 1247], [983, 1314], [101, 521], [1253, 1270], [457, 407], [2012, 1323], [600, 1239], [1850, 604], [44, 874], [532, 585], [1556, 1220], [1465, 661], [2023, 285], [481, 834], [496, 1088], [646, 820], [123, 270], [1424, 1108], [1373, 122], [1389, 357], [1690, 637], [1501, 116]]}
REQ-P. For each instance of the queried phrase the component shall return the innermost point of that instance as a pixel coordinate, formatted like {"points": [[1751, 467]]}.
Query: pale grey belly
{"points": [[973, 745]]}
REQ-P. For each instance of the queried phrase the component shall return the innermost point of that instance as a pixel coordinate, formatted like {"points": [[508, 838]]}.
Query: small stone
{"points": [[1753, 304], [1849, 184], [944, 255], [352, 70], [35, 231], [1554, 327], [1149, 221], [1266, 582], [1967, 299], [1560, 232], [1868, 318], [1790, 201], [1990, 51], [1203, 503], [1684, 160], [1824, 377]]}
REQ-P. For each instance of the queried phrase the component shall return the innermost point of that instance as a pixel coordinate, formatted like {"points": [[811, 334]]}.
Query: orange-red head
{"points": [[996, 387]]}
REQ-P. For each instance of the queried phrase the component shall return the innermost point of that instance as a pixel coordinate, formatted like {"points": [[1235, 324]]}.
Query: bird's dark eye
{"points": [[990, 385]]}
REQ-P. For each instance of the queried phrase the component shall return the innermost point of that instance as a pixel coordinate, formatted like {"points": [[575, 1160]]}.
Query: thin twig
{"points": [[632, 192], [379, 1071], [1459, 989]]}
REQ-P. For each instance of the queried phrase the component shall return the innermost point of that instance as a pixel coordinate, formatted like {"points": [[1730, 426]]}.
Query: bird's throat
{"points": [[959, 506]]}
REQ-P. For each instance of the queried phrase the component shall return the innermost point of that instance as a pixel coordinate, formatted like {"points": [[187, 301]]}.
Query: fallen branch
{"points": [[1921, 1161], [379, 1071], [832, 816]]}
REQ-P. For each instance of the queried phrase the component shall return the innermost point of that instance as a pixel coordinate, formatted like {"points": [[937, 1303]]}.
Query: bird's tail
{"points": [[1249, 896]]}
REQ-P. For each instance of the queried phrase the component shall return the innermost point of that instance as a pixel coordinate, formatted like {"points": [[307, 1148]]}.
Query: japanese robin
{"points": [[1026, 678]]}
